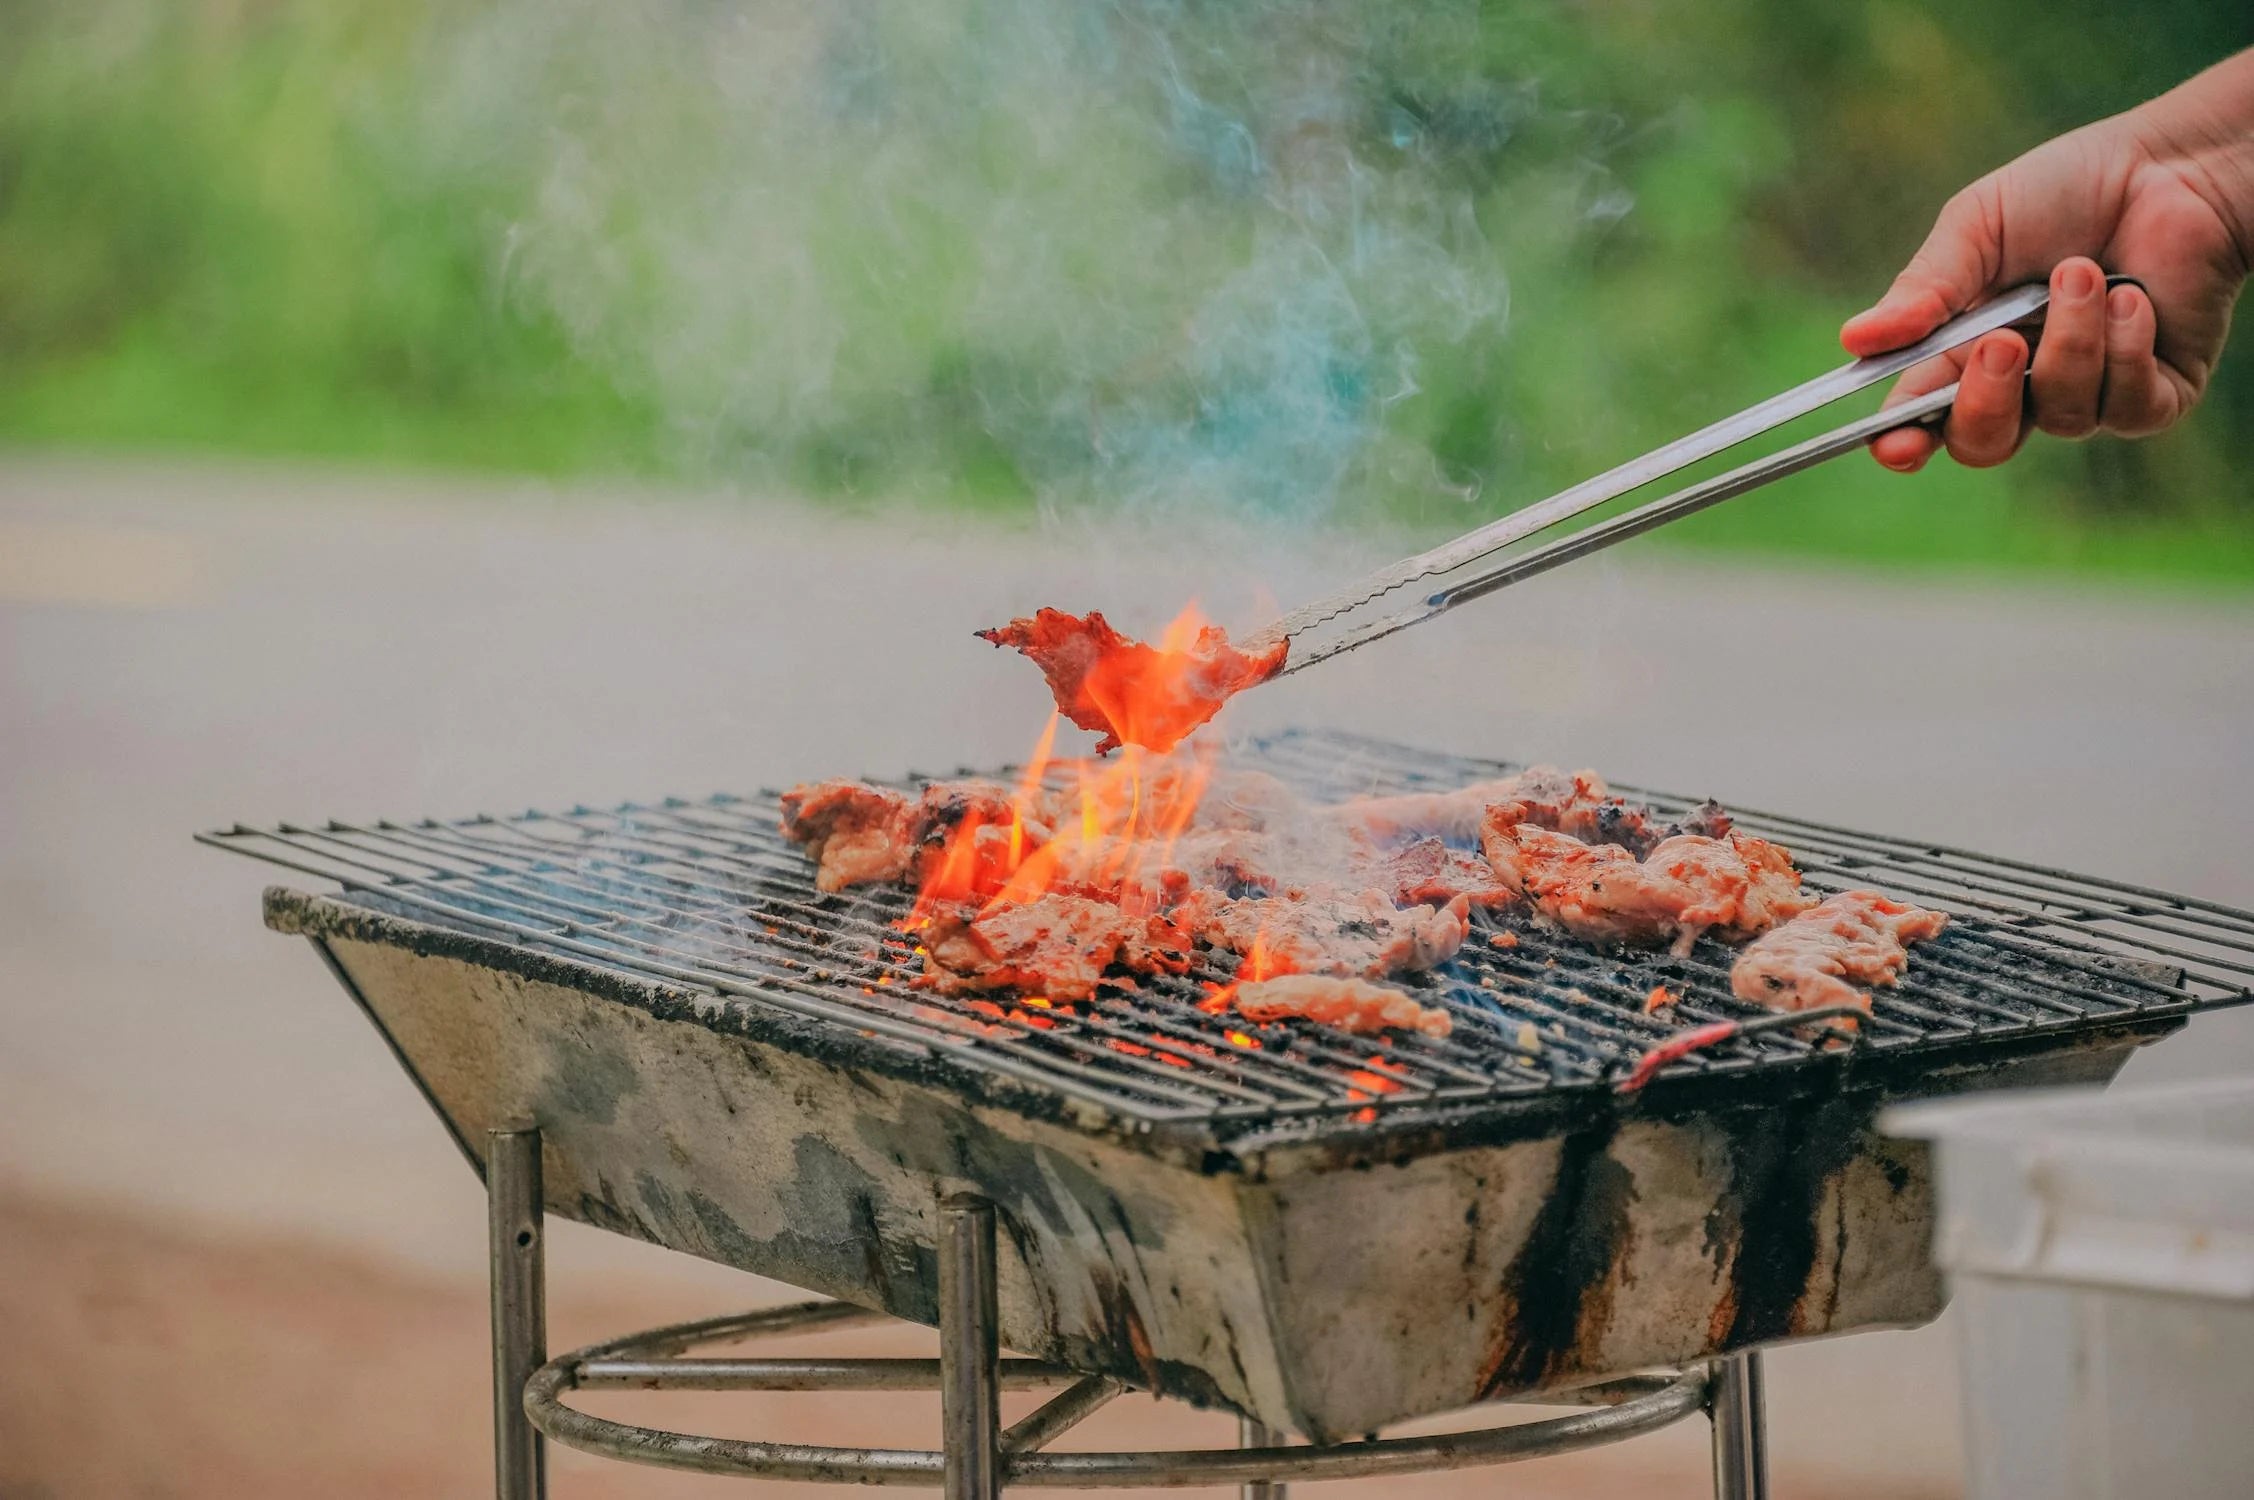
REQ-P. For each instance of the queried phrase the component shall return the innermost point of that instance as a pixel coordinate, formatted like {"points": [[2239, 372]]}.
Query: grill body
{"points": [[1326, 1262], [1323, 1289]]}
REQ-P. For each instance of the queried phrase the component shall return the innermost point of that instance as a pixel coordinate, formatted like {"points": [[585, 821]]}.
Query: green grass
{"points": [[920, 255], [142, 395]]}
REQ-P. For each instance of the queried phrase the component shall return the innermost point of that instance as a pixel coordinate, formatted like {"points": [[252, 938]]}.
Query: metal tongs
{"points": [[1469, 567]]}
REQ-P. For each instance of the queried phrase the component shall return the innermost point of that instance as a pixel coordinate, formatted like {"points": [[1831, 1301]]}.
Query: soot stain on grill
{"points": [[834, 1239], [1781, 1172], [584, 1081], [689, 1217], [926, 1136], [1047, 1198], [601, 1208], [1558, 1289]]}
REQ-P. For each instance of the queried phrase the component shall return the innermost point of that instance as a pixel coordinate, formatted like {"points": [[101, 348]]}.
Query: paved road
{"points": [[182, 647]]}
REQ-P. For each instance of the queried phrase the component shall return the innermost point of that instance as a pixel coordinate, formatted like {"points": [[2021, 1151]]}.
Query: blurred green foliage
{"points": [[244, 226], [210, 238]]}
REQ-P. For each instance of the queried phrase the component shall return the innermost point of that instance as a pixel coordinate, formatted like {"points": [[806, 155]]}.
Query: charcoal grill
{"points": [[645, 1017]]}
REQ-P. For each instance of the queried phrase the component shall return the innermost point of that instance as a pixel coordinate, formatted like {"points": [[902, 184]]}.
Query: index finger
{"points": [[1948, 274]]}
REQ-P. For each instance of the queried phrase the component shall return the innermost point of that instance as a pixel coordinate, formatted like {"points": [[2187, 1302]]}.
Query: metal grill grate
{"points": [[707, 896]]}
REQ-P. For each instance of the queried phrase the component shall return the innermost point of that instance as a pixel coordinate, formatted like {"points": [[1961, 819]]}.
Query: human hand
{"points": [[2163, 194]]}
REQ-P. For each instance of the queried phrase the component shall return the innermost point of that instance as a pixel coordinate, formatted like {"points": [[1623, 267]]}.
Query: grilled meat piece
{"points": [[1737, 887], [1058, 946], [1584, 807], [1771, 892], [858, 834], [947, 805], [1134, 693], [1252, 800], [1228, 859], [1579, 804], [961, 831], [855, 833], [1822, 955], [1348, 1004], [1328, 930], [1243, 865], [1430, 872], [1708, 820], [1446, 815]]}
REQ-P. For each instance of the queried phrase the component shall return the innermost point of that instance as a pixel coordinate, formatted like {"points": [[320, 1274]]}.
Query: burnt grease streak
{"points": [[1563, 1278], [1780, 1177]]}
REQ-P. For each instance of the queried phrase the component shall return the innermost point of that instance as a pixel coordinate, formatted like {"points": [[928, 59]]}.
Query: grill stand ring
{"points": [[981, 1458]]}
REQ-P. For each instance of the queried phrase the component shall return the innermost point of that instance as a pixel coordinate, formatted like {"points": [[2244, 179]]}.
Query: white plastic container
{"points": [[2101, 1251]]}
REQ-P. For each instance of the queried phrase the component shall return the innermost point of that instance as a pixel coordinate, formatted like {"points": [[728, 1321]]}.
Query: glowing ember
{"points": [[1133, 693]]}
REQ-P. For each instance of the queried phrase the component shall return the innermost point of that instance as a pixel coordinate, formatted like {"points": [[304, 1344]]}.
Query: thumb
{"points": [[1950, 272]]}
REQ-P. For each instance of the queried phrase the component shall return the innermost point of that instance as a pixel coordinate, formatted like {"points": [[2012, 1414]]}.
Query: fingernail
{"points": [[2081, 280], [1998, 358], [2121, 307]]}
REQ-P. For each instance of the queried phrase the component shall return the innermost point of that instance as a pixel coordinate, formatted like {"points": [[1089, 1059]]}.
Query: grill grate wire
{"points": [[706, 895]]}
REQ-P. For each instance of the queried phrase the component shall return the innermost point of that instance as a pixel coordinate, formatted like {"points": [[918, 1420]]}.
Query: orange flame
{"points": [[1159, 694], [1029, 790], [1109, 829], [1259, 963]]}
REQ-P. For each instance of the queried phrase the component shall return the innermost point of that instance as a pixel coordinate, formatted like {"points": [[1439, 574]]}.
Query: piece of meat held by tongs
{"points": [[1482, 561]]}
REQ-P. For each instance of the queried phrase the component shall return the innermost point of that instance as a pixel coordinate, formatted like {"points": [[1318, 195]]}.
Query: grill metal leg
{"points": [[970, 1408], [516, 1244], [1251, 1434], [1741, 1432]]}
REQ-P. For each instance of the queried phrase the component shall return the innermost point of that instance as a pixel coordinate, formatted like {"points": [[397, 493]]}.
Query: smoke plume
{"points": [[1154, 254]]}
